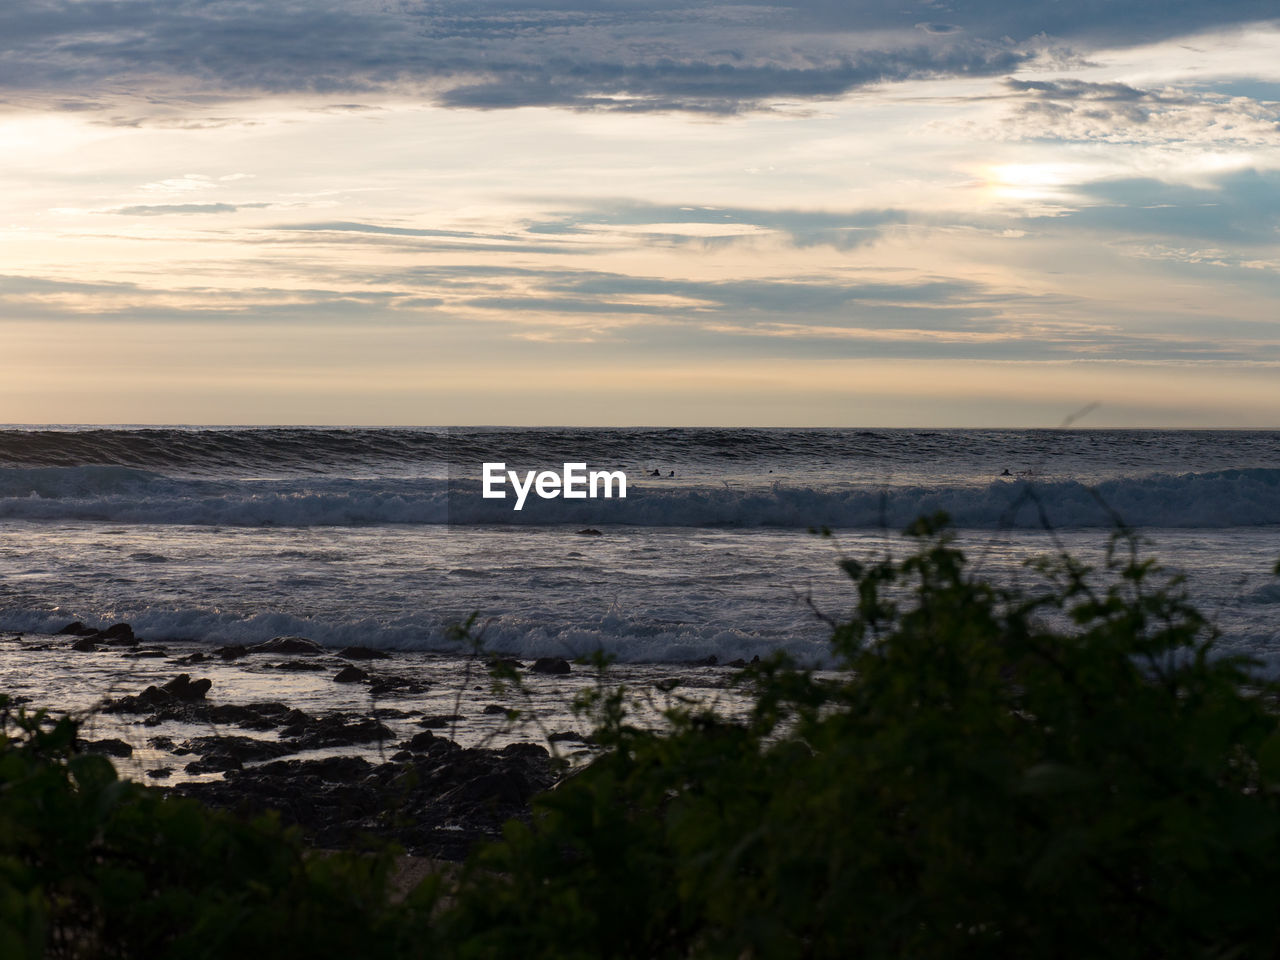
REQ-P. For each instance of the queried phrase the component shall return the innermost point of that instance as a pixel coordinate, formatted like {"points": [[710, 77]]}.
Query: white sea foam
{"points": [[627, 640]]}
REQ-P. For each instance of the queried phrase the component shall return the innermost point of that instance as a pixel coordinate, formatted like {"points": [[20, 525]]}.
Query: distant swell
{"points": [[315, 450], [269, 449], [1226, 498]]}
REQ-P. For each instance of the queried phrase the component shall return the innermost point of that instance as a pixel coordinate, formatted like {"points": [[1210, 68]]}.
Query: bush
{"points": [[91, 866], [1068, 773]]}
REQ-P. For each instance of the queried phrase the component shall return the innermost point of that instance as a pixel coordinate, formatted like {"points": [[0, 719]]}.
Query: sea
{"points": [[726, 545]]}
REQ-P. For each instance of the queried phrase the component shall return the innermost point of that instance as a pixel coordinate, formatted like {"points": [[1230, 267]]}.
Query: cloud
{"points": [[595, 227], [844, 230], [163, 209], [716, 56], [14, 285], [720, 85], [640, 308], [52, 299], [1119, 113], [493, 307], [1109, 23], [173, 123], [1057, 90], [772, 297], [340, 226], [413, 238]]}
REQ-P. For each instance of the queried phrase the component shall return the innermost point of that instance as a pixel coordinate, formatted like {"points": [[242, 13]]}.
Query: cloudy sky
{"points": [[930, 213]]}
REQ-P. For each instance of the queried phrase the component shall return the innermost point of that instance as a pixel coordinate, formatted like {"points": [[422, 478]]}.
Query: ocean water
{"points": [[381, 536]]}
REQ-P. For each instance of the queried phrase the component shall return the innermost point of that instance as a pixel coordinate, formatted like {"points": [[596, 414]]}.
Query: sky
{"points": [[816, 212]]}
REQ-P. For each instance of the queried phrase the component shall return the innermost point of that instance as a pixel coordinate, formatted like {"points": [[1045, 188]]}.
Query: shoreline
{"points": [[355, 745]]}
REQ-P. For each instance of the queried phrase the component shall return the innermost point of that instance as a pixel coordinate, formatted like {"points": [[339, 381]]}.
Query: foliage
{"points": [[1074, 771], [1069, 773], [95, 867]]}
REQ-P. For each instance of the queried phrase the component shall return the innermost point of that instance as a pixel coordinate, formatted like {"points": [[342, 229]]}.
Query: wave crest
{"points": [[1227, 498]]}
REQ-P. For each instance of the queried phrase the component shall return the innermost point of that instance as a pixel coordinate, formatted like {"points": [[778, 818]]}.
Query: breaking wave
{"points": [[1225, 498], [631, 639]]}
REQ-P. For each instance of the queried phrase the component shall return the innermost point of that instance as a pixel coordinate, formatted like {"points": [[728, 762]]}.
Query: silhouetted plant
{"points": [[1070, 772], [92, 866]]}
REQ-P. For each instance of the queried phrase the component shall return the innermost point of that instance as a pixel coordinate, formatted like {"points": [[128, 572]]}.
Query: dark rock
{"points": [[160, 773], [509, 662], [440, 720], [237, 750], [119, 633], [420, 741], [497, 788], [566, 736], [550, 665], [216, 763], [160, 743], [349, 674], [149, 699], [300, 666], [85, 645], [494, 708], [251, 716], [196, 657], [180, 699], [109, 747], [589, 532], [363, 653], [328, 769], [527, 751], [232, 652], [336, 730], [77, 629], [392, 713], [401, 685], [182, 687], [287, 645], [708, 661], [419, 801]]}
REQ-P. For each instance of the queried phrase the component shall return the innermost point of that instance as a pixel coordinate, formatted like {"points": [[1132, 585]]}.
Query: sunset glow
{"points": [[403, 227]]}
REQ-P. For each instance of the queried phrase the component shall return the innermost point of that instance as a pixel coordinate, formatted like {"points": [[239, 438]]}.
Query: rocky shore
{"points": [[354, 746], [430, 795], [434, 799]]}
